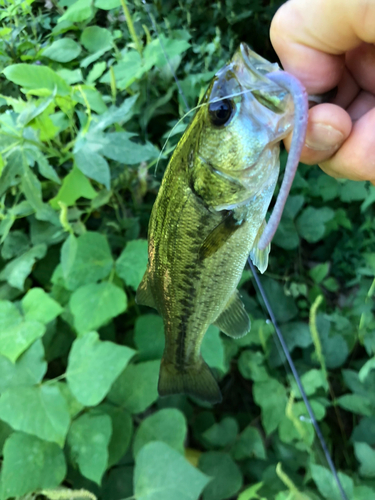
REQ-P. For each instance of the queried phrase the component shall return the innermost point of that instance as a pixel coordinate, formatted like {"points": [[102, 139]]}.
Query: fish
{"points": [[210, 215]]}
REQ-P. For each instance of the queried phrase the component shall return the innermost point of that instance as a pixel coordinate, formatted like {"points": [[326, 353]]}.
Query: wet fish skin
{"points": [[208, 215]]}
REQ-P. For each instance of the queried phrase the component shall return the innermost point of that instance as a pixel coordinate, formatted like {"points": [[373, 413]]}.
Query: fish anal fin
{"points": [[234, 320], [144, 296], [196, 380], [260, 257], [218, 237]]}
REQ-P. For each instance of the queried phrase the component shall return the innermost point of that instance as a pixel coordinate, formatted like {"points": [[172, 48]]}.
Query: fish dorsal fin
{"points": [[260, 257], [218, 237], [144, 296], [234, 320]]}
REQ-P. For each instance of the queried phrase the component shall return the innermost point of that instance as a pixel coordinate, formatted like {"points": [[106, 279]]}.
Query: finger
{"points": [[310, 37], [355, 159], [361, 105], [347, 90], [328, 127], [361, 64]]}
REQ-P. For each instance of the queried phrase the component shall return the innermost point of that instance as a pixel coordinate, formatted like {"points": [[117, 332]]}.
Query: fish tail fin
{"points": [[197, 381]]}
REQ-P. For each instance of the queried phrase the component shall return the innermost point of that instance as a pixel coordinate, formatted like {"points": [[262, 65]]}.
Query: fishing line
{"points": [[180, 91], [260, 287], [216, 99], [297, 379]]}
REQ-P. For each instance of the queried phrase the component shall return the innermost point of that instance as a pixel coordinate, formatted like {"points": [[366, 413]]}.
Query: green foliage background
{"points": [[87, 102]]}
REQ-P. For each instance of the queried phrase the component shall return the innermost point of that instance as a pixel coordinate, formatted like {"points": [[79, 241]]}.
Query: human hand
{"points": [[326, 43]]}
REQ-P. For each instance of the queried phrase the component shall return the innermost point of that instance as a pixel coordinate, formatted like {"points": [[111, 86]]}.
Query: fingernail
{"points": [[322, 137]]}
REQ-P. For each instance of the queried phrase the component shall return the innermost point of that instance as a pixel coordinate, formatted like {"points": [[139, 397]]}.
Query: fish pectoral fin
{"points": [[260, 257], [218, 237], [144, 296], [196, 380], [234, 320]]}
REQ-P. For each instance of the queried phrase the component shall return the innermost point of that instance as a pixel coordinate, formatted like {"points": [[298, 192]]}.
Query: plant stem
{"points": [[130, 24]]}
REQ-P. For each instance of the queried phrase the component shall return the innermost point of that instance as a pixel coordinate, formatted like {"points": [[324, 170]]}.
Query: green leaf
{"points": [[45, 168], [132, 263], [95, 304], [356, 404], [168, 426], [249, 444], [149, 337], [366, 369], [319, 272], [33, 192], [251, 493], [366, 456], [353, 191], [15, 339], [286, 235], [16, 271], [290, 432], [311, 224], [87, 94], [251, 366], [222, 434], [120, 148], [5, 432], [127, 70], [270, 395], [155, 55], [136, 387], [162, 473], [292, 206], [71, 76], [96, 71], [29, 465], [88, 441], [75, 185], [335, 350], [93, 165], [77, 12], [74, 406], [86, 259], [47, 414], [227, 477], [363, 493], [36, 77], [107, 4], [15, 244], [94, 38], [29, 368], [39, 306], [311, 381], [122, 432], [16, 335], [365, 431], [327, 187], [62, 50], [283, 306], [327, 485], [212, 349], [93, 366], [114, 114], [118, 483]]}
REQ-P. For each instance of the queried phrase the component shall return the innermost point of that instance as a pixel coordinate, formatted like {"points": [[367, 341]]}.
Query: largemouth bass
{"points": [[209, 216]]}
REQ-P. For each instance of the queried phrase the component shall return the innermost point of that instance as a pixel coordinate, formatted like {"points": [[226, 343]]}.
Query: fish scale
{"points": [[208, 217]]}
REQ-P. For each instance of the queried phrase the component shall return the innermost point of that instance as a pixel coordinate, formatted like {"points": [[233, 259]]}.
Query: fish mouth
{"points": [[256, 64], [230, 175]]}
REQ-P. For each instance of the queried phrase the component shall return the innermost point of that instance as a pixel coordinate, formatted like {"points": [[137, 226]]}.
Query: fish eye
{"points": [[220, 112]]}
